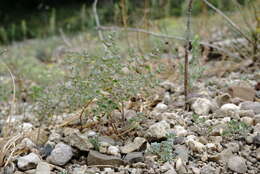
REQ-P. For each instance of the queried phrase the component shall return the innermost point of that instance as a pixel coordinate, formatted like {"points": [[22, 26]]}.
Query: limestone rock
{"points": [[74, 138], [43, 168], [96, 158], [202, 106], [28, 162], [60, 155], [255, 106], [158, 130], [138, 142], [237, 164]]}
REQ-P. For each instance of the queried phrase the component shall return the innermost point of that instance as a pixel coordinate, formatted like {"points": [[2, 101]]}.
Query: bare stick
{"points": [[160, 35], [187, 51], [97, 19], [64, 38], [227, 19]]}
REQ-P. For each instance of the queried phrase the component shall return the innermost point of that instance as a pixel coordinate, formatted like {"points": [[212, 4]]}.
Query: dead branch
{"points": [[160, 35], [227, 19], [187, 52]]}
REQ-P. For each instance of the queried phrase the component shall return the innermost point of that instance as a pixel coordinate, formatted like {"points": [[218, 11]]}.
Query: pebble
{"points": [[28, 162], [237, 164], [60, 155]]}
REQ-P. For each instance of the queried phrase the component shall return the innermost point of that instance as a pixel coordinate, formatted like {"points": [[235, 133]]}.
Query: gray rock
{"points": [[237, 164], [138, 142], [179, 131], [74, 138], [258, 153], [28, 162], [160, 107], [158, 130], [248, 105], [96, 158], [130, 114], [43, 168], [256, 139], [207, 170], [134, 157], [182, 152], [107, 139], [60, 155], [257, 119], [202, 106]]}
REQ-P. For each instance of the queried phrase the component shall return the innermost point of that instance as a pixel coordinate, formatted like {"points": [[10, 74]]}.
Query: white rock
{"points": [[43, 168], [27, 127], [160, 107], [26, 142], [60, 155], [28, 162], [113, 150], [159, 130], [226, 120], [247, 120], [180, 131], [230, 107], [196, 146], [202, 106]]}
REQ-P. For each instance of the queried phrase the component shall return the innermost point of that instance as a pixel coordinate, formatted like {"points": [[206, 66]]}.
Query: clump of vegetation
{"points": [[108, 81], [236, 128], [164, 149]]}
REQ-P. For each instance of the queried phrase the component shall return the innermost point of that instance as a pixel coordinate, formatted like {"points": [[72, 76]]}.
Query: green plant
{"points": [[235, 128], [95, 142], [164, 149]]}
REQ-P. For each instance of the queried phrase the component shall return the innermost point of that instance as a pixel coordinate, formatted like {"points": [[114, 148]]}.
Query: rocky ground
{"points": [[219, 134]]}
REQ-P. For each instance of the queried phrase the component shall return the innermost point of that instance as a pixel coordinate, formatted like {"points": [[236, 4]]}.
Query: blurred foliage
{"points": [[38, 19]]}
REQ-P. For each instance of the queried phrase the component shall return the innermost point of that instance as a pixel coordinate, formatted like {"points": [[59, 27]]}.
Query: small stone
{"points": [[258, 153], [96, 158], [247, 113], [130, 114], [43, 168], [230, 106], [168, 86], [249, 139], [74, 138], [28, 162], [249, 121], [237, 164], [182, 152], [257, 119], [196, 146], [160, 107], [244, 93], [256, 139], [130, 147], [27, 127], [60, 155], [223, 99], [158, 130], [248, 105], [180, 131], [113, 150], [202, 106], [207, 170], [134, 157]]}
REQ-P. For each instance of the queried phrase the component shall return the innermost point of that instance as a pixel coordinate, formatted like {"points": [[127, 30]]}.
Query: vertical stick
{"points": [[97, 19], [187, 51]]}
